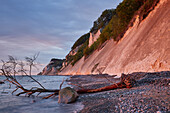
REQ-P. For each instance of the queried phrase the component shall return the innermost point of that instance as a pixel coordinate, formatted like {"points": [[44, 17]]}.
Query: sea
{"points": [[10, 103]]}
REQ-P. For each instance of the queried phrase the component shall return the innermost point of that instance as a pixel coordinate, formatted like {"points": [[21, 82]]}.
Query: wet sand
{"points": [[150, 93]]}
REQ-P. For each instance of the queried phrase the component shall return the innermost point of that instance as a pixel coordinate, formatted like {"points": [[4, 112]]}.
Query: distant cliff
{"points": [[140, 44], [53, 67]]}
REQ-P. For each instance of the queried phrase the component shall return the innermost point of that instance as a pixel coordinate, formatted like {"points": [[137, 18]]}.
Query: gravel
{"points": [[150, 94]]}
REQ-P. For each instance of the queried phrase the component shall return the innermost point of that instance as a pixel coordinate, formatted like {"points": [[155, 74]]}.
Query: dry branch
{"points": [[9, 71]]}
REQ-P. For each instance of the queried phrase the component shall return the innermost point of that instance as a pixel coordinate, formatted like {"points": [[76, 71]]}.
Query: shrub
{"points": [[80, 54], [93, 47], [147, 7], [69, 58], [81, 40], [118, 19], [103, 20], [95, 66], [121, 17]]}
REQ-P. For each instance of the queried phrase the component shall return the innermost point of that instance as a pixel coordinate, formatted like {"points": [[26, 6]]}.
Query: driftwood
{"points": [[126, 82], [106, 88], [9, 71], [55, 92]]}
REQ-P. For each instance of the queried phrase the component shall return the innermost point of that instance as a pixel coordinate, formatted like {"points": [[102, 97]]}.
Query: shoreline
{"points": [[150, 93]]}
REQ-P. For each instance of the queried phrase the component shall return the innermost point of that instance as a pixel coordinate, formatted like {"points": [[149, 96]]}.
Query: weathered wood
{"points": [[106, 88], [124, 83]]}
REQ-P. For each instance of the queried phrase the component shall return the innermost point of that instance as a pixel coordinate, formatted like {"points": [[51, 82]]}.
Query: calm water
{"points": [[20, 104]]}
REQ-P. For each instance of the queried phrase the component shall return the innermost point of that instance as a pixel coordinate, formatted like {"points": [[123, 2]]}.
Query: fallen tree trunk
{"points": [[106, 88], [81, 91], [124, 83], [9, 71]]}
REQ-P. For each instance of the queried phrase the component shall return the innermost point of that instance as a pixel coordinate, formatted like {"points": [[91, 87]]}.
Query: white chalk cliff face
{"points": [[93, 37], [145, 47], [53, 67], [49, 70]]}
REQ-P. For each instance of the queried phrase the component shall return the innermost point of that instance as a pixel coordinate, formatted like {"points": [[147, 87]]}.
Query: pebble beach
{"points": [[150, 94]]}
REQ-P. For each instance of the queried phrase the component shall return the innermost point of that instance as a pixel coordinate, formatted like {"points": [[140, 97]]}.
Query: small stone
{"points": [[33, 101], [1, 82]]}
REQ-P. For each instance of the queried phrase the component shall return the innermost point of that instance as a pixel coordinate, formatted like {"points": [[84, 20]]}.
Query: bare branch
{"points": [[55, 93], [61, 84], [76, 85], [108, 80], [9, 70], [20, 93], [13, 62], [34, 79], [38, 94], [15, 90]]}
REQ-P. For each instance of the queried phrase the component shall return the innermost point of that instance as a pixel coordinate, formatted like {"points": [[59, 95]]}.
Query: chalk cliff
{"points": [[53, 67], [93, 37], [145, 47]]}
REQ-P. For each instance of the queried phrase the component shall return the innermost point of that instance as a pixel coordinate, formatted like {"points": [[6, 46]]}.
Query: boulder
{"points": [[67, 95]]}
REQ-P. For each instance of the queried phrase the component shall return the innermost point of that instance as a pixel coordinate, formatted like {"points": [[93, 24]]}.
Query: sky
{"points": [[47, 26]]}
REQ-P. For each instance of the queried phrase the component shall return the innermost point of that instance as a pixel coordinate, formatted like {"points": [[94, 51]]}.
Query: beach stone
{"points": [[1, 82], [67, 95]]}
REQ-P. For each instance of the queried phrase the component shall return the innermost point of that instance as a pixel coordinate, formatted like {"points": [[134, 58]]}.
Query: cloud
{"points": [[46, 26]]}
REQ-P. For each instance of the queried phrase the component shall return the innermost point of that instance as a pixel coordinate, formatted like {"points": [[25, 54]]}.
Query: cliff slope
{"points": [[53, 67], [145, 47]]}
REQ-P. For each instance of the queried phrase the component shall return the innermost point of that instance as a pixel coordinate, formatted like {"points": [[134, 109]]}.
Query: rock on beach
{"points": [[149, 94], [67, 95]]}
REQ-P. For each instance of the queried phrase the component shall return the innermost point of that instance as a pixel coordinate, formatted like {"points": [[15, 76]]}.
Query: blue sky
{"points": [[46, 26]]}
